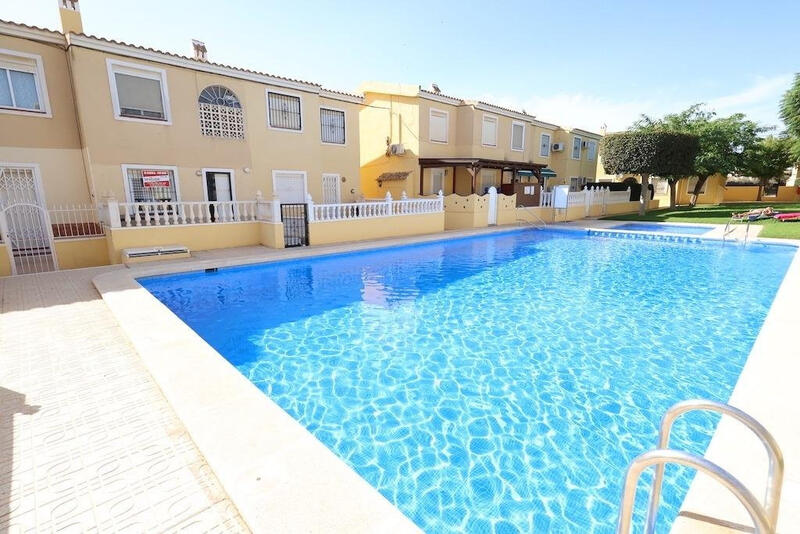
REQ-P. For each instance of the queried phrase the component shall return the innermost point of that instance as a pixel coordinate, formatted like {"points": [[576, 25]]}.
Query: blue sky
{"points": [[576, 63]]}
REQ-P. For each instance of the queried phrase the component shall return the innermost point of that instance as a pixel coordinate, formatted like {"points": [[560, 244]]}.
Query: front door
{"points": [[290, 187], [218, 189]]}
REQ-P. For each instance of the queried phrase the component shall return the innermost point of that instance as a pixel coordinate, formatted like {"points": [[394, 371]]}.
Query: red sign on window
{"points": [[155, 178]]}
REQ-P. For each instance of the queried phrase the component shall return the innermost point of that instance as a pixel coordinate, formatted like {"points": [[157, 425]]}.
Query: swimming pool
{"points": [[498, 383], [665, 228]]}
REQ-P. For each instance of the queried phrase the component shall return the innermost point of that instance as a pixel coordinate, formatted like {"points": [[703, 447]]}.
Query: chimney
{"points": [[200, 51], [70, 16]]}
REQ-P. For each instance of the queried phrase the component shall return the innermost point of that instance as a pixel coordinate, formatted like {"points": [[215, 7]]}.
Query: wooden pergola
{"points": [[474, 166]]}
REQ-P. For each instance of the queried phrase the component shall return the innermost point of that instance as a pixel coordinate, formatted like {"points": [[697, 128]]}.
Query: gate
{"points": [[295, 225], [24, 222]]}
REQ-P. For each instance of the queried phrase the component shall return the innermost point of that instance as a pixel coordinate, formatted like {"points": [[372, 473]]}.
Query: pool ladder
{"points": [[729, 229], [764, 517], [537, 221]]}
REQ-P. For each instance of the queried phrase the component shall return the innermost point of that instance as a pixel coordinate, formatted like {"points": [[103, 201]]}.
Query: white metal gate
{"points": [[24, 222], [331, 189]]}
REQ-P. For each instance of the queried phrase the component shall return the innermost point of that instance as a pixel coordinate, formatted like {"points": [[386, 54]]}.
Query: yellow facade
{"points": [[327, 232], [396, 114]]}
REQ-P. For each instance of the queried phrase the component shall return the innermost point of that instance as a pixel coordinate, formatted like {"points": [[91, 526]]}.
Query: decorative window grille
{"points": [[544, 148], [332, 126], [221, 113], [141, 193], [284, 111]]}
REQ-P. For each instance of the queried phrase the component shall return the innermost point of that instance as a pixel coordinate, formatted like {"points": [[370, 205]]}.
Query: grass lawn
{"points": [[720, 214]]}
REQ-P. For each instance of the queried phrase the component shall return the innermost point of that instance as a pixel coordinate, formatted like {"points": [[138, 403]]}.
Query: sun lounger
{"points": [[788, 216]]}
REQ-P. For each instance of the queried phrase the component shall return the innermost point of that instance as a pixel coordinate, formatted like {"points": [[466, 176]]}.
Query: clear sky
{"points": [[575, 62]]}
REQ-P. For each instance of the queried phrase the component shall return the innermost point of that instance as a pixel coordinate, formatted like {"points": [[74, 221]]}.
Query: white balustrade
{"points": [[181, 213], [378, 208], [546, 199]]}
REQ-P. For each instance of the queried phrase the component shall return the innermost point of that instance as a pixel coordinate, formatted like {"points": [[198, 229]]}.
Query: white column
{"points": [[112, 211], [310, 207], [388, 203]]}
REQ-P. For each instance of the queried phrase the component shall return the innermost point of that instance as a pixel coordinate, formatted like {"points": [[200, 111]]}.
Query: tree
{"points": [[790, 114], [768, 159], [655, 152], [723, 141]]}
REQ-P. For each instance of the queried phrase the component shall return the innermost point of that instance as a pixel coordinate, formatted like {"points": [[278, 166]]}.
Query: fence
{"points": [[375, 208], [73, 221], [590, 196]]}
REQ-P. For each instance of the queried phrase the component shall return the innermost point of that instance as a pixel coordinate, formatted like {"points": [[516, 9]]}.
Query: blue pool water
{"points": [[494, 384], [664, 228]]}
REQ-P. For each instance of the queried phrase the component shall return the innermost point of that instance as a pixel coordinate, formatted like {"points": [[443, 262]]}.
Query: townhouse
{"points": [[418, 142]]}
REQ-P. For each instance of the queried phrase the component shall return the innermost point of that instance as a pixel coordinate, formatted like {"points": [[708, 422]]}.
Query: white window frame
{"points": [[206, 170], [291, 171], [39, 79], [496, 126], [518, 123], [432, 189], [126, 183], [591, 150], [541, 144], [330, 108], [142, 71], [302, 115], [431, 111], [572, 148]]}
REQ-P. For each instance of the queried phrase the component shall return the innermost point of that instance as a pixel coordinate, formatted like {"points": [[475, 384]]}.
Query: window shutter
{"points": [[517, 136], [489, 135], [139, 96], [438, 126]]}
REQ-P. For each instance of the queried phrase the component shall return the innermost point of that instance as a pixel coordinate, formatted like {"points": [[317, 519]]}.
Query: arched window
{"points": [[220, 113]]}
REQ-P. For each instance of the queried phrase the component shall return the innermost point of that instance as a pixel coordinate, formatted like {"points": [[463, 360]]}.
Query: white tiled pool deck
{"points": [[89, 441]]}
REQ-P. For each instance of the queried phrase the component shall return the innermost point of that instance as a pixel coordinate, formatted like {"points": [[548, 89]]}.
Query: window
{"points": [[22, 87], [577, 183], [220, 113], [517, 136], [438, 126], [576, 147], [332, 126], [285, 112], [489, 131], [591, 150], [544, 146], [437, 181], [138, 92], [487, 181], [150, 184]]}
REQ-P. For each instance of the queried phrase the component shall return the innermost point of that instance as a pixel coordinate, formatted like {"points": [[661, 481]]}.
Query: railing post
{"points": [[388, 203], [441, 200], [112, 211], [262, 211], [310, 207]]}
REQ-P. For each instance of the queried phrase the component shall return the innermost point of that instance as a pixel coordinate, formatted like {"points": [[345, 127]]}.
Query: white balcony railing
{"points": [[75, 221], [179, 213]]}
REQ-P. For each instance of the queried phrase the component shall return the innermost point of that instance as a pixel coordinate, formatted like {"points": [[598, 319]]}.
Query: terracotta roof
{"points": [[421, 90], [180, 56], [342, 93], [505, 109], [30, 27], [393, 176]]}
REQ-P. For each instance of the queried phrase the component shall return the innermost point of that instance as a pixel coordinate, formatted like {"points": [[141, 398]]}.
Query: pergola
{"points": [[474, 166]]}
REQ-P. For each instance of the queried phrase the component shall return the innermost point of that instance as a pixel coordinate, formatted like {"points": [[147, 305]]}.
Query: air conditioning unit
{"points": [[558, 147], [397, 149]]}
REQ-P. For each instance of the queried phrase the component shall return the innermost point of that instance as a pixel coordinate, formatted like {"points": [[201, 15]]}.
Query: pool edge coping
{"points": [[294, 517]]}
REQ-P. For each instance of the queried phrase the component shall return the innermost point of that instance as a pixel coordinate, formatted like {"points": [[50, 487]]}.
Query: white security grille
{"points": [[141, 193], [221, 113], [24, 223], [330, 189]]}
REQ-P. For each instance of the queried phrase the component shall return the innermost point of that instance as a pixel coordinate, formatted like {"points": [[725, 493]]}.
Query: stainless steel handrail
{"points": [[660, 457], [541, 225], [774, 478]]}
